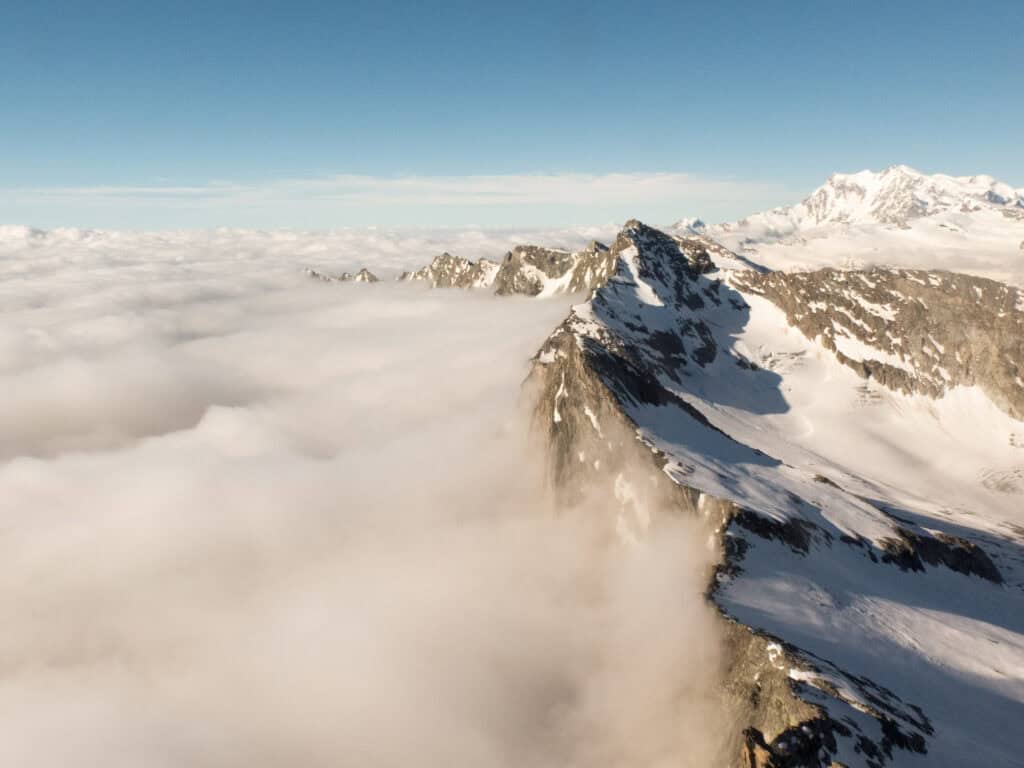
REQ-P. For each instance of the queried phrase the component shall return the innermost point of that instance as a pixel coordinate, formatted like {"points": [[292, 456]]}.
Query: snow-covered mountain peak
{"points": [[899, 194], [896, 217]]}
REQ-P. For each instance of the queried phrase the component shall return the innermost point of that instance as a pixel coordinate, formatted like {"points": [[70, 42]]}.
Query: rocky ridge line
{"points": [[362, 276], [447, 271]]}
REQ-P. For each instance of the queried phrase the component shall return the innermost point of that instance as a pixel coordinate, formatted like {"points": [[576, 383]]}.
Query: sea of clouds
{"points": [[251, 519]]}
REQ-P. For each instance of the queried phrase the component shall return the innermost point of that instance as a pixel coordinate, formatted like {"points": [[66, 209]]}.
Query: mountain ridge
{"points": [[675, 379]]}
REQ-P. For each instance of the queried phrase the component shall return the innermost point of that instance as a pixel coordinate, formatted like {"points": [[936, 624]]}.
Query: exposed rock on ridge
{"points": [[917, 332], [535, 271], [532, 270], [526, 269], [447, 271], [362, 276]]}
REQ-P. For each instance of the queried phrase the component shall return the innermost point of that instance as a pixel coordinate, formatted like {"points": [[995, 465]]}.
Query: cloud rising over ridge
{"points": [[254, 520]]}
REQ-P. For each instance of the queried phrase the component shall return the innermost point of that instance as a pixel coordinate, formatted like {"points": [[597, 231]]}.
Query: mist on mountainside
{"points": [[255, 521]]}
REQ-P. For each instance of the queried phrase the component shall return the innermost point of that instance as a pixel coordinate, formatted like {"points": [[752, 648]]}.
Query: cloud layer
{"points": [[542, 199], [254, 520]]}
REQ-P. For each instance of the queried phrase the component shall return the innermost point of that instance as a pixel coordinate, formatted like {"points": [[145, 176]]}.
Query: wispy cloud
{"points": [[513, 199]]}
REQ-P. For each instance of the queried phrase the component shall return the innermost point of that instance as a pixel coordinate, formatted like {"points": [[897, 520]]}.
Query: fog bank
{"points": [[253, 520]]}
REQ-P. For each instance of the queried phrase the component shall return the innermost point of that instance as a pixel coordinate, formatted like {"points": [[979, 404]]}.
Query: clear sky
{"points": [[322, 114]]}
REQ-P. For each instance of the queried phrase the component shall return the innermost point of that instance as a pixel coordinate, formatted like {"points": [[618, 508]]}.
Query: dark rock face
{"points": [[796, 534], [913, 549], [705, 253], [917, 332], [447, 271]]}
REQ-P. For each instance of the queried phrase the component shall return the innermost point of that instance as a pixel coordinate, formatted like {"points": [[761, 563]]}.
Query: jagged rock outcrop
{"points": [[527, 269], [535, 271], [531, 270], [914, 331], [362, 276], [447, 271]]}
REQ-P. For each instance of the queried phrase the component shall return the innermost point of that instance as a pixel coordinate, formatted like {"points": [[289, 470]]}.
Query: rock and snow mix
{"points": [[876, 535]]}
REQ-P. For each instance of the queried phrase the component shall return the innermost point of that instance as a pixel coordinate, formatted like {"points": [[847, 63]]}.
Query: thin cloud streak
{"points": [[345, 199]]}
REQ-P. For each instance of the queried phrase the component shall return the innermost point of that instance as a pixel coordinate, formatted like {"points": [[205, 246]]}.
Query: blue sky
{"points": [[144, 114]]}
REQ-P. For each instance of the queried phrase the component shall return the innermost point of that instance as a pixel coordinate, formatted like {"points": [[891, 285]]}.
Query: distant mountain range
{"points": [[898, 217], [895, 197]]}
